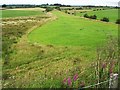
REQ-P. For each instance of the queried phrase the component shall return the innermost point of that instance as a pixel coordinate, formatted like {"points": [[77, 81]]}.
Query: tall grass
{"points": [[99, 71], [107, 60], [12, 30]]}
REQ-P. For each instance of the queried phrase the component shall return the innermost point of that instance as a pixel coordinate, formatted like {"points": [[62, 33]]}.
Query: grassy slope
{"points": [[18, 13], [72, 31], [32, 65], [35, 65], [112, 14]]}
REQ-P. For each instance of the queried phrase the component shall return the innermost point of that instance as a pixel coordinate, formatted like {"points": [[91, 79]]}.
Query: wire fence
{"points": [[110, 83], [107, 81]]}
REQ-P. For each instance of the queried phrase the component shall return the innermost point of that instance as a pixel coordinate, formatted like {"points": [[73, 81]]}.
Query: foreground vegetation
{"points": [[39, 55]]}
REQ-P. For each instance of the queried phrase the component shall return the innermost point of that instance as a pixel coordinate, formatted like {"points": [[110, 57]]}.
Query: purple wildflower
{"points": [[75, 77], [69, 81], [64, 81]]}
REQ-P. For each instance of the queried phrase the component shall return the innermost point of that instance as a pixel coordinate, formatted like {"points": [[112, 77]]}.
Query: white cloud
{"points": [[69, 2]]}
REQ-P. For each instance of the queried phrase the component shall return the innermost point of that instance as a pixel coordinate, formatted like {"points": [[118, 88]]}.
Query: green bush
{"points": [[86, 16], [48, 9], [117, 21], [93, 17], [105, 19], [66, 11], [58, 8]]}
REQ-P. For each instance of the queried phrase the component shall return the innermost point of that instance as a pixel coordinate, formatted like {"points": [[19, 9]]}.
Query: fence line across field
{"points": [[113, 82], [96, 84]]}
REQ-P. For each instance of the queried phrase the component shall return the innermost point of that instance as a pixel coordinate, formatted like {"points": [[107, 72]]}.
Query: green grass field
{"points": [[58, 48], [19, 13], [112, 14], [70, 30]]}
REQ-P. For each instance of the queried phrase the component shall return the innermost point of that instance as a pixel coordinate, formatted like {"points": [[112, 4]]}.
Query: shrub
{"points": [[105, 19], [117, 21], [86, 16], [93, 17], [66, 11], [58, 8], [48, 9]]}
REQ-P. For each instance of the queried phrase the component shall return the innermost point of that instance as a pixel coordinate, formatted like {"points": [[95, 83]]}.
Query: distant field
{"points": [[112, 14], [18, 13], [70, 30], [35, 9]]}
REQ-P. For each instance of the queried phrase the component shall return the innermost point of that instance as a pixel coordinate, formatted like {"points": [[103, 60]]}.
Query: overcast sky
{"points": [[68, 2]]}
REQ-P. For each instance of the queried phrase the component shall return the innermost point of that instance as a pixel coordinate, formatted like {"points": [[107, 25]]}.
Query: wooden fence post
{"points": [[113, 83]]}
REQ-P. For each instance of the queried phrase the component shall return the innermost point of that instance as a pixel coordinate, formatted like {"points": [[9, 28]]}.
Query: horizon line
{"points": [[62, 4]]}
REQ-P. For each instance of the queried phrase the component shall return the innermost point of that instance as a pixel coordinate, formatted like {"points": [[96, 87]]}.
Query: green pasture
{"points": [[56, 50], [112, 14], [70, 30], [18, 13]]}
